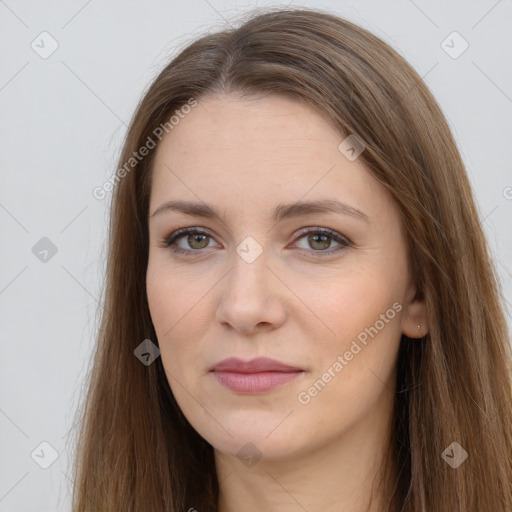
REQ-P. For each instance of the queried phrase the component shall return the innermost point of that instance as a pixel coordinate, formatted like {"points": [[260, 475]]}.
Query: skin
{"points": [[245, 156]]}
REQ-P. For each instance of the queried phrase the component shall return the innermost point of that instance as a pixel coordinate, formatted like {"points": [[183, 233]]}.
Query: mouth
{"points": [[254, 376]]}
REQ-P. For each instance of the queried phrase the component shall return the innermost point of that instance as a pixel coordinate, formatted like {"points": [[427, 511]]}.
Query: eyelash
{"points": [[180, 233]]}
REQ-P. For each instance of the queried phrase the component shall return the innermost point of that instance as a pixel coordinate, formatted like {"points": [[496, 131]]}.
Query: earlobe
{"points": [[415, 318]]}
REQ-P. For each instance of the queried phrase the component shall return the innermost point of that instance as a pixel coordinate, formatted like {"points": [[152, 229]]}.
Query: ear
{"points": [[415, 313]]}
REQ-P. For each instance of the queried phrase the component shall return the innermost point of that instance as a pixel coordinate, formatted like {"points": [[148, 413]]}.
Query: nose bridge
{"points": [[249, 267], [248, 297]]}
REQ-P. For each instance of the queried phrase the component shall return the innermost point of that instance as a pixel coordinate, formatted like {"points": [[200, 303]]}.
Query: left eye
{"points": [[319, 239], [322, 239]]}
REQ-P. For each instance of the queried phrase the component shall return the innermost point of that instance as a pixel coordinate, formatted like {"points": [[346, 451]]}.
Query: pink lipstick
{"points": [[254, 376]]}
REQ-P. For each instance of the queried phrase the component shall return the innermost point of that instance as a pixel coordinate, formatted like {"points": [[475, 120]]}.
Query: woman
{"points": [[300, 310]]}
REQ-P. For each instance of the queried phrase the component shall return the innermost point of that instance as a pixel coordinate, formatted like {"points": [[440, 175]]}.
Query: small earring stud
{"points": [[418, 327]]}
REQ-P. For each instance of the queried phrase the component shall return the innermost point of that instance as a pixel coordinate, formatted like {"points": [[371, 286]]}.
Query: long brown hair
{"points": [[137, 452]]}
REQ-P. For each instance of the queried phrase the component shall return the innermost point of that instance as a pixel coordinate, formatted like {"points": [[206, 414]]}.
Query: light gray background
{"points": [[62, 122]]}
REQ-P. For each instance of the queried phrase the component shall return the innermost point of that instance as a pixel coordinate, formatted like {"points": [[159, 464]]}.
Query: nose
{"points": [[253, 298]]}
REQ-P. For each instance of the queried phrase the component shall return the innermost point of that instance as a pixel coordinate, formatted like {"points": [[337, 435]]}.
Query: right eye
{"points": [[191, 236]]}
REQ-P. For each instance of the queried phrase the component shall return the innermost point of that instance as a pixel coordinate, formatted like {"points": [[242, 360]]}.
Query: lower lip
{"points": [[254, 382]]}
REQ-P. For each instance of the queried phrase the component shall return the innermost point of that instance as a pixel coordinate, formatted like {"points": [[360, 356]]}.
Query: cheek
{"points": [[173, 295], [181, 314], [344, 303], [354, 367], [362, 312]]}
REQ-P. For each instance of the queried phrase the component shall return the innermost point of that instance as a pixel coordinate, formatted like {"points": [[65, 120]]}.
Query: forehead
{"points": [[263, 150], [230, 123]]}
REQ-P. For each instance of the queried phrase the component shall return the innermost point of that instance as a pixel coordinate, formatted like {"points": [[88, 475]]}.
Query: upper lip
{"points": [[260, 364]]}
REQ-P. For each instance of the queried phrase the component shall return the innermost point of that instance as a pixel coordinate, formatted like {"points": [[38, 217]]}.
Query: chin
{"points": [[259, 442]]}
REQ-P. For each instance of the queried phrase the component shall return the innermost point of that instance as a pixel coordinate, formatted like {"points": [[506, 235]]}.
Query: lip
{"points": [[255, 376], [257, 365]]}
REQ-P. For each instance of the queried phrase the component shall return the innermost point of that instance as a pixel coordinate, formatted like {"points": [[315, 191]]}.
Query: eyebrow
{"points": [[282, 211]]}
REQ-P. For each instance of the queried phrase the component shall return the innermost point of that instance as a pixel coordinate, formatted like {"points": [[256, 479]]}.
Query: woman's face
{"points": [[251, 282]]}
